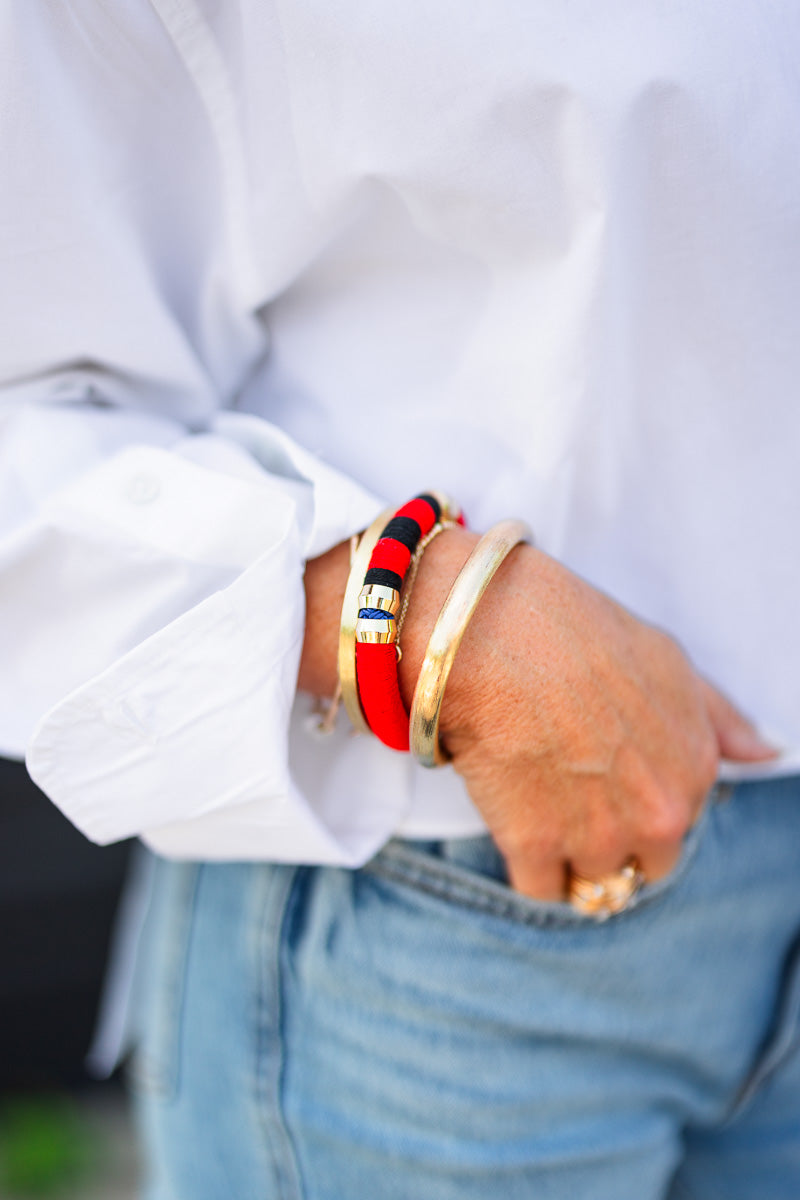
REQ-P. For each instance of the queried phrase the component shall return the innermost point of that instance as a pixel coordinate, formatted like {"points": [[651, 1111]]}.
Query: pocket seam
{"points": [[403, 863]]}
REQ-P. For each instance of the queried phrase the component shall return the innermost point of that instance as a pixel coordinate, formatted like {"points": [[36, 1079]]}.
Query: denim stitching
{"points": [[402, 863], [270, 1031], [781, 1042]]}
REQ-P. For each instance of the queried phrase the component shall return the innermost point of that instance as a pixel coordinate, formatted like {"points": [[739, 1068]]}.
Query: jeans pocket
{"points": [[161, 971], [471, 872]]}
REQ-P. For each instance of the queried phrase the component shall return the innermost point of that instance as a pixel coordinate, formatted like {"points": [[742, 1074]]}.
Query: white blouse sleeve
{"points": [[152, 534], [152, 610]]}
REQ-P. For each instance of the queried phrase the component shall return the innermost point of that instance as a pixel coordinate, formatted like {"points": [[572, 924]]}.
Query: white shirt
{"points": [[267, 266]]}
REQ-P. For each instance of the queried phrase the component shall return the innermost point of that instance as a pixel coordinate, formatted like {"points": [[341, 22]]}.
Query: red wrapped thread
{"points": [[376, 662], [376, 668]]}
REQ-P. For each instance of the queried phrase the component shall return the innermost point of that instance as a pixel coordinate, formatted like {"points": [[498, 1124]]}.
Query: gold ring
{"points": [[606, 894]]}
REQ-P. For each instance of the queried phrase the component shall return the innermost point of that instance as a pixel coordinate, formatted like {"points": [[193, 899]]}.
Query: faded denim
{"points": [[417, 1031]]}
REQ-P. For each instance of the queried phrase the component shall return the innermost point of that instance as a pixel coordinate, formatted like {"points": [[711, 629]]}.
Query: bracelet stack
{"points": [[376, 600]]}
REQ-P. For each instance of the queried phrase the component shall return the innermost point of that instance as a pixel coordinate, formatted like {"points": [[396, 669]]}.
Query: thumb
{"points": [[738, 738]]}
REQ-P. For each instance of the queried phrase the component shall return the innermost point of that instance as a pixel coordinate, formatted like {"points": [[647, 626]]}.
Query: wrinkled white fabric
{"points": [[266, 263]]}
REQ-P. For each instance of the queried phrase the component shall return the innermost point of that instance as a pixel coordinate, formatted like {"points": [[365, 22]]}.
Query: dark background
{"points": [[58, 896]]}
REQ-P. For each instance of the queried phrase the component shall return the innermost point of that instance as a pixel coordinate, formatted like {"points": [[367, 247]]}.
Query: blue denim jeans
{"points": [[417, 1030]]}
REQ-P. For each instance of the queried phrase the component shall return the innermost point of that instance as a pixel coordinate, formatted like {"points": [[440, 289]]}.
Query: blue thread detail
{"points": [[375, 614]]}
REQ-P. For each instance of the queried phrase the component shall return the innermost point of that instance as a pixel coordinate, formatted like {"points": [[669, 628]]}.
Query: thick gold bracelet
{"points": [[347, 628], [451, 624]]}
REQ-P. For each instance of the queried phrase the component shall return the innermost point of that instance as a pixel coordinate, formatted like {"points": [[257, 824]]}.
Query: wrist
{"points": [[467, 656], [325, 580], [475, 666]]}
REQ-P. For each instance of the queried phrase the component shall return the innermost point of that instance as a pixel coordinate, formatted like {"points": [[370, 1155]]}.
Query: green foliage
{"points": [[44, 1148]]}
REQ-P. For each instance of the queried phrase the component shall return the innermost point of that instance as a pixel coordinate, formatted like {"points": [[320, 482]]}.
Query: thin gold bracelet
{"points": [[411, 575], [359, 562], [451, 624]]}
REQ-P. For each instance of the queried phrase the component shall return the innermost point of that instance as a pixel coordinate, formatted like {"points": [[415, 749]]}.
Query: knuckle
{"points": [[609, 840], [667, 820], [707, 764], [530, 844], [543, 845], [671, 652]]}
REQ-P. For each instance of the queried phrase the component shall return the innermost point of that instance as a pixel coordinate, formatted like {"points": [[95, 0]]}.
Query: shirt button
{"points": [[142, 489]]}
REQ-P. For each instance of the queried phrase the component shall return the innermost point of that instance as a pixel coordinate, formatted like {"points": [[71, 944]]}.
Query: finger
{"points": [[539, 880], [656, 862], [738, 738]]}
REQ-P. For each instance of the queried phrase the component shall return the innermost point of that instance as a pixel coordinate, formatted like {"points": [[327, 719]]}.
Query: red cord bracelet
{"points": [[376, 627]]}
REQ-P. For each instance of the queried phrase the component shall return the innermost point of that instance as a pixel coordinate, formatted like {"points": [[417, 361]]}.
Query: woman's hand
{"points": [[584, 735]]}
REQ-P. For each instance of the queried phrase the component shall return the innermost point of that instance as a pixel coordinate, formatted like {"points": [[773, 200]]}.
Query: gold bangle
{"points": [[411, 575], [347, 628], [451, 624]]}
